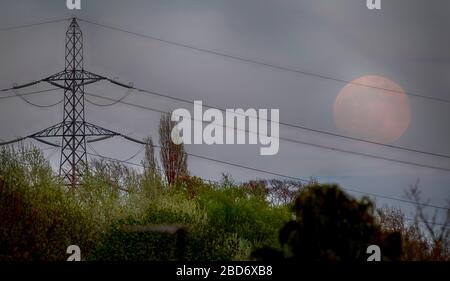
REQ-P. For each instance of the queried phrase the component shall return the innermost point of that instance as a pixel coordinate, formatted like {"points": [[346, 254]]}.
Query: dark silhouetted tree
{"points": [[330, 226]]}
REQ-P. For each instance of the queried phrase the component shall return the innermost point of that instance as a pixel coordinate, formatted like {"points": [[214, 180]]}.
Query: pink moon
{"points": [[380, 112]]}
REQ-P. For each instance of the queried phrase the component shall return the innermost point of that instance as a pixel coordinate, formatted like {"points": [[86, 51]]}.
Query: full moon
{"points": [[373, 108]]}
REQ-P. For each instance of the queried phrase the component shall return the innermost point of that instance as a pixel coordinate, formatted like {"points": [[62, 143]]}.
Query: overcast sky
{"points": [[407, 41]]}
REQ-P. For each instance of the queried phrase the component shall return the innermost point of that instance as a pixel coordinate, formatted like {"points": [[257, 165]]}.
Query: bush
{"points": [[38, 219], [195, 221], [331, 226], [235, 210], [119, 214]]}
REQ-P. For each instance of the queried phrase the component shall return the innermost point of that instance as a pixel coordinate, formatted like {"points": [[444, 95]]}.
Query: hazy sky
{"points": [[407, 41]]}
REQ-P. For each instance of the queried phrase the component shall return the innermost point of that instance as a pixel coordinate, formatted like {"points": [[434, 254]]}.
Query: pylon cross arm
{"points": [[80, 77], [84, 128]]}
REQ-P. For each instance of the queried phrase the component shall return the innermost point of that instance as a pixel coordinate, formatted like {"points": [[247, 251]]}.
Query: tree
{"points": [[151, 183], [330, 225], [277, 192], [437, 234], [173, 156], [414, 245], [283, 192], [151, 167]]}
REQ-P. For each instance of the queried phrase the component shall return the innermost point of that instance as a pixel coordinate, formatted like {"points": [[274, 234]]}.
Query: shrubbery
{"points": [[117, 214], [39, 217], [218, 223], [120, 214]]}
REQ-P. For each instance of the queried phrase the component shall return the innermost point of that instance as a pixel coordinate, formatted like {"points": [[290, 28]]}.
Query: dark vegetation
{"points": [[164, 213]]}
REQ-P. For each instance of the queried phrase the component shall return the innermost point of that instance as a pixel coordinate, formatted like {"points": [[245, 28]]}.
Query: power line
{"points": [[306, 181], [295, 126], [29, 94], [22, 96], [282, 123], [295, 141], [284, 176], [125, 160], [281, 138], [432, 223], [261, 63], [122, 102], [16, 87], [112, 159], [127, 93], [375, 195], [32, 24], [217, 53], [199, 156], [55, 149], [14, 141], [17, 94]]}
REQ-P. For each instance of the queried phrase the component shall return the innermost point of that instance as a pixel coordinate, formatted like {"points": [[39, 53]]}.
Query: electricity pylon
{"points": [[73, 130]]}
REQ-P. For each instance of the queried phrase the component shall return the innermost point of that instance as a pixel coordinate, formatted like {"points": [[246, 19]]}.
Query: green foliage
{"points": [[221, 223], [119, 214], [38, 219], [236, 210]]}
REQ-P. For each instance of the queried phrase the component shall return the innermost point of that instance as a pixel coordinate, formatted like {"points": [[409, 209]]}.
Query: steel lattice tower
{"points": [[73, 151], [74, 130]]}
